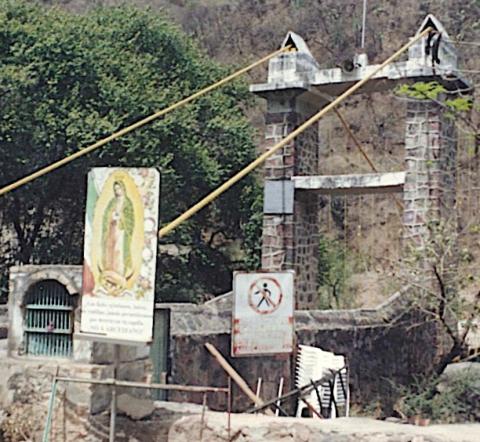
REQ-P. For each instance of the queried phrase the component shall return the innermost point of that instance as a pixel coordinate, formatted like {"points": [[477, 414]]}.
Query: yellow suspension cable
{"points": [[136, 125], [355, 140], [237, 177]]}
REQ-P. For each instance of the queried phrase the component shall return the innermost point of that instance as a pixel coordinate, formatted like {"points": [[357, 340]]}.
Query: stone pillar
{"points": [[430, 181], [290, 241]]}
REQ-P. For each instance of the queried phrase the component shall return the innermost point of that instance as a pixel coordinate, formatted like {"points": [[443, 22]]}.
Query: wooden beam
{"points": [[236, 377]]}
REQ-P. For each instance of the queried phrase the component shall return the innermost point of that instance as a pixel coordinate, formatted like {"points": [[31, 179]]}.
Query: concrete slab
{"points": [[389, 182]]}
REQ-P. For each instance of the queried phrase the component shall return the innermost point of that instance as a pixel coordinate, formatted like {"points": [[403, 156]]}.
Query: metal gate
{"points": [[48, 320], [159, 350]]}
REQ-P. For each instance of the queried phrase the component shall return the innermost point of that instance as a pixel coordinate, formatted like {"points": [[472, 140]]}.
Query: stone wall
{"points": [[379, 344], [89, 359], [70, 276], [24, 277]]}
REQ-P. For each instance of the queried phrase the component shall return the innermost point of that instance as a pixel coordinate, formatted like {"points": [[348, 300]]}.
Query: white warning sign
{"points": [[262, 319]]}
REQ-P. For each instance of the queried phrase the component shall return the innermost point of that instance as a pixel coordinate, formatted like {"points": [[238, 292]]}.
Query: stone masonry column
{"points": [[430, 215], [430, 181], [290, 241]]}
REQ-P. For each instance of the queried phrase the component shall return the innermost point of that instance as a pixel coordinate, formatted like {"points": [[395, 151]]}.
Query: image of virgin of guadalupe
{"points": [[117, 229]]}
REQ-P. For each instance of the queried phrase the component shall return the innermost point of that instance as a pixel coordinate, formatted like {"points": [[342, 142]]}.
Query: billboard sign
{"points": [[120, 254], [262, 318]]}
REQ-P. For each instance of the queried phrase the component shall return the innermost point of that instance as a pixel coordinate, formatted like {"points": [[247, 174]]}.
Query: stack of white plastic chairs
{"points": [[312, 364]]}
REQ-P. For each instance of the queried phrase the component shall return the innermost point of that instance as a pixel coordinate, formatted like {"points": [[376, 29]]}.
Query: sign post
{"points": [[118, 294], [262, 320], [120, 255], [113, 404]]}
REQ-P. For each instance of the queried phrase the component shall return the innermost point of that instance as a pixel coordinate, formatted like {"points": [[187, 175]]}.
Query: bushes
{"points": [[451, 397]]}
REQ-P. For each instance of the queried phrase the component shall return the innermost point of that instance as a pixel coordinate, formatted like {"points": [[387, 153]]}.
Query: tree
{"points": [[437, 265], [433, 272], [334, 269], [67, 80]]}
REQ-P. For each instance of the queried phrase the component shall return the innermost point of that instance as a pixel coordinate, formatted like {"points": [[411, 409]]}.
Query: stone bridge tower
{"points": [[295, 89]]}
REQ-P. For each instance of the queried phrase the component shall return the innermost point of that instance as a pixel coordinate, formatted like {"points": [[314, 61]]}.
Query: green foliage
{"points": [[431, 90], [334, 269], [460, 104], [67, 80], [251, 229], [441, 401], [422, 90]]}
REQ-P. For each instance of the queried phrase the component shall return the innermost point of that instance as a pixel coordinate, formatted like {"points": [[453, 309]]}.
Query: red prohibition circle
{"points": [[266, 296]]}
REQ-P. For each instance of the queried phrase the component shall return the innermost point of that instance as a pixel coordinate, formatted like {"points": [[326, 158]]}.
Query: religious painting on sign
{"points": [[120, 253]]}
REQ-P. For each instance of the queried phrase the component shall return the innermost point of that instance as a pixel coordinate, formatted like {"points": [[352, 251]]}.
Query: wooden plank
{"points": [[236, 377]]}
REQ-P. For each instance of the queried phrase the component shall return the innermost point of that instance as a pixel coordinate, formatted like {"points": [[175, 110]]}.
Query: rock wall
{"points": [[379, 344], [26, 380], [389, 342]]}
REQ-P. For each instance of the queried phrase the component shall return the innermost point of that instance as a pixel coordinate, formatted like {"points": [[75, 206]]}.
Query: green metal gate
{"points": [[159, 351], [48, 320]]}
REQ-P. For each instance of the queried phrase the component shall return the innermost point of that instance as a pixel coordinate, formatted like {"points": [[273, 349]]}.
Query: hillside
{"points": [[237, 32]]}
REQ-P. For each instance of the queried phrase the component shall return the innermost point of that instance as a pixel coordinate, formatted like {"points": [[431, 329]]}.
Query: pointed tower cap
{"points": [[431, 21], [297, 42]]}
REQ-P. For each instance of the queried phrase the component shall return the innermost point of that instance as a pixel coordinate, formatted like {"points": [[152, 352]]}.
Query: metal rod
{"points": [[280, 391], [278, 408], [64, 410], [187, 388], [362, 151], [331, 386], [202, 420], [319, 397], [229, 408], [259, 386], [300, 392], [311, 408], [113, 405], [364, 22], [51, 401]]}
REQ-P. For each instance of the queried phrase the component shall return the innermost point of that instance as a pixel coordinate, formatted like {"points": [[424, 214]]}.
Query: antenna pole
{"points": [[364, 20]]}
